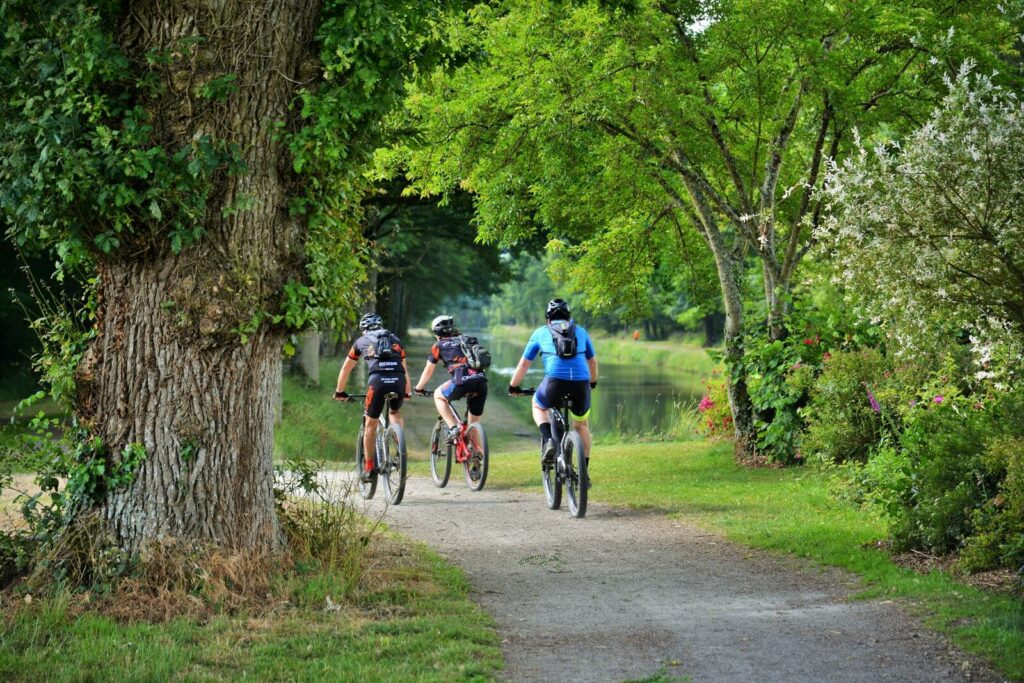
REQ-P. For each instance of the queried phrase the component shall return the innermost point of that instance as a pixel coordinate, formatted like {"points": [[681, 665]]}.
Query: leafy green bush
{"points": [[998, 539], [953, 479], [856, 401]]}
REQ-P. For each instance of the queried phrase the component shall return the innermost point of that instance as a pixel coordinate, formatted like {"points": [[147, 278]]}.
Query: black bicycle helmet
{"points": [[443, 326], [371, 321], [558, 309]]}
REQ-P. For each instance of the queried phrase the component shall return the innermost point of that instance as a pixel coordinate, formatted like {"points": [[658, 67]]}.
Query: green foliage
{"points": [[80, 172], [943, 443], [949, 479], [998, 539], [521, 300], [367, 50], [842, 424], [74, 473], [631, 134]]}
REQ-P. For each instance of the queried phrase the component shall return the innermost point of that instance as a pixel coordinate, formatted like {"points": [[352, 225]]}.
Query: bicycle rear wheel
{"points": [[440, 460], [575, 473], [394, 464], [366, 488], [552, 482], [475, 467]]}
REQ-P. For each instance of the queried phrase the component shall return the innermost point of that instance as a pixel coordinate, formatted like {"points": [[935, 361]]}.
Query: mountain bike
{"points": [[570, 466], [469, 449], [390, 458]]}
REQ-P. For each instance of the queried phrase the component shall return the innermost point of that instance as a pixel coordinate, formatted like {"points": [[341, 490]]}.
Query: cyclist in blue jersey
{"points": [[570, 369]]}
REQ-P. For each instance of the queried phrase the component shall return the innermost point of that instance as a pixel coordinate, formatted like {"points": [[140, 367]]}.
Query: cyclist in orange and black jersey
{"points": [[388, 373], [465, 382]]}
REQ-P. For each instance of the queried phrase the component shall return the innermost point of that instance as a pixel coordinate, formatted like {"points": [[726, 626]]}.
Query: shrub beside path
{"points": [[625, 595]]}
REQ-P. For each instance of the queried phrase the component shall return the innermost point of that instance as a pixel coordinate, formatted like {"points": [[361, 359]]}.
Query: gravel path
{"points": [[626, 595]]}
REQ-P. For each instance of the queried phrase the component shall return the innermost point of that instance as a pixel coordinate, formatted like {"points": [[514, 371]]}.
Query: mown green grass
{"points": [[791, 511], [314, 426], [420, 627]]}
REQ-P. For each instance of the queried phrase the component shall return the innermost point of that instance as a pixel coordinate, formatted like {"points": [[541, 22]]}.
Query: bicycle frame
{"points": [[468, 449], [573, 476], [382, 465], [461, 448]]}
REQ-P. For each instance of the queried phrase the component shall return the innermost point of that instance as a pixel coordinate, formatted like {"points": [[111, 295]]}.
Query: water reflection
{"points": [[630, 398]]}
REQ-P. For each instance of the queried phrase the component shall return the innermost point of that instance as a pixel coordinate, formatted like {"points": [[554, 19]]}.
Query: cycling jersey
{"points": [[368, 345], [448, 350], [561, 368]]}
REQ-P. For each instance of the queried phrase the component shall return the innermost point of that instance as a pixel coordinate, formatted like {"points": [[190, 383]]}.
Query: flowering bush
{"points": [[927, 233], [714, 415]]}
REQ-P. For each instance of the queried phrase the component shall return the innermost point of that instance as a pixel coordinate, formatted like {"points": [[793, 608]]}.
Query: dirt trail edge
{"points": [[626, 595]]}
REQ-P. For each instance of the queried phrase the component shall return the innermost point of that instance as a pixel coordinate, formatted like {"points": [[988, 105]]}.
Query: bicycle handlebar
{"points": [[524, 392]]}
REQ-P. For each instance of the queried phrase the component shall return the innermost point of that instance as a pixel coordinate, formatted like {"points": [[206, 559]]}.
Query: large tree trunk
{"points": [[180, 364], [204, 413], [728, 269]]}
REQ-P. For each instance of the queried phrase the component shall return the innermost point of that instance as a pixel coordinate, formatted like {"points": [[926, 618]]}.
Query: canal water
{"points": [[630, 399]]}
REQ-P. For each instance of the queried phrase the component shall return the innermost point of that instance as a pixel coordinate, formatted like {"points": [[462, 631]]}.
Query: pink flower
{"points": [[938, 399], [705, 404], [873, 401], [912, 403]]}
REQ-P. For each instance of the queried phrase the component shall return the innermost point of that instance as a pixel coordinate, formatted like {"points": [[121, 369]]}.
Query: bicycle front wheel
{"points": [[475, 467], [575, 473], [366, 488], [394, 464], [440, 456]]}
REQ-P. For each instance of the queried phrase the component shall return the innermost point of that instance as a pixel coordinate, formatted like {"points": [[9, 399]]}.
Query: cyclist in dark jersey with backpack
{"points": [[385, 364], [465, 382], [570, 369]]}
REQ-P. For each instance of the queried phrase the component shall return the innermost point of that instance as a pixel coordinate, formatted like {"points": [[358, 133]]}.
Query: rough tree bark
{"points": [[177, 366]]}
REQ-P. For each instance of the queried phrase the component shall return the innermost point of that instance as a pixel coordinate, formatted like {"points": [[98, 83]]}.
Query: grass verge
{"points": [[408, 619], [791, 511]]}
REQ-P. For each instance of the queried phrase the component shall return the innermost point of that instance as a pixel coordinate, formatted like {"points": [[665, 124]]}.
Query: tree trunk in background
{"points": [[729, 266], [714, 324], [170, 368], [309, 356]]}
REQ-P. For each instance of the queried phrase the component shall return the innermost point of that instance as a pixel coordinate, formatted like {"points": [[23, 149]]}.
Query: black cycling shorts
{"points": [[474, 391], [551, 391], [379, 385]]}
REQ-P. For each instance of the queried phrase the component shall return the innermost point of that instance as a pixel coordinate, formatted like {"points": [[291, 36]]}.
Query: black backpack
{"points": [[565, 340], [382, 343], [477, 357]]}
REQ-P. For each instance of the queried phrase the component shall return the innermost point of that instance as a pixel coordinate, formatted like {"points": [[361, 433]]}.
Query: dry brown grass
{"points": [[178, 579]]}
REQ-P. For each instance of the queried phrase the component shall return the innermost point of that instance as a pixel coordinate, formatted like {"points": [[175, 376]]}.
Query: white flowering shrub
{"points": [[927, 235]]}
